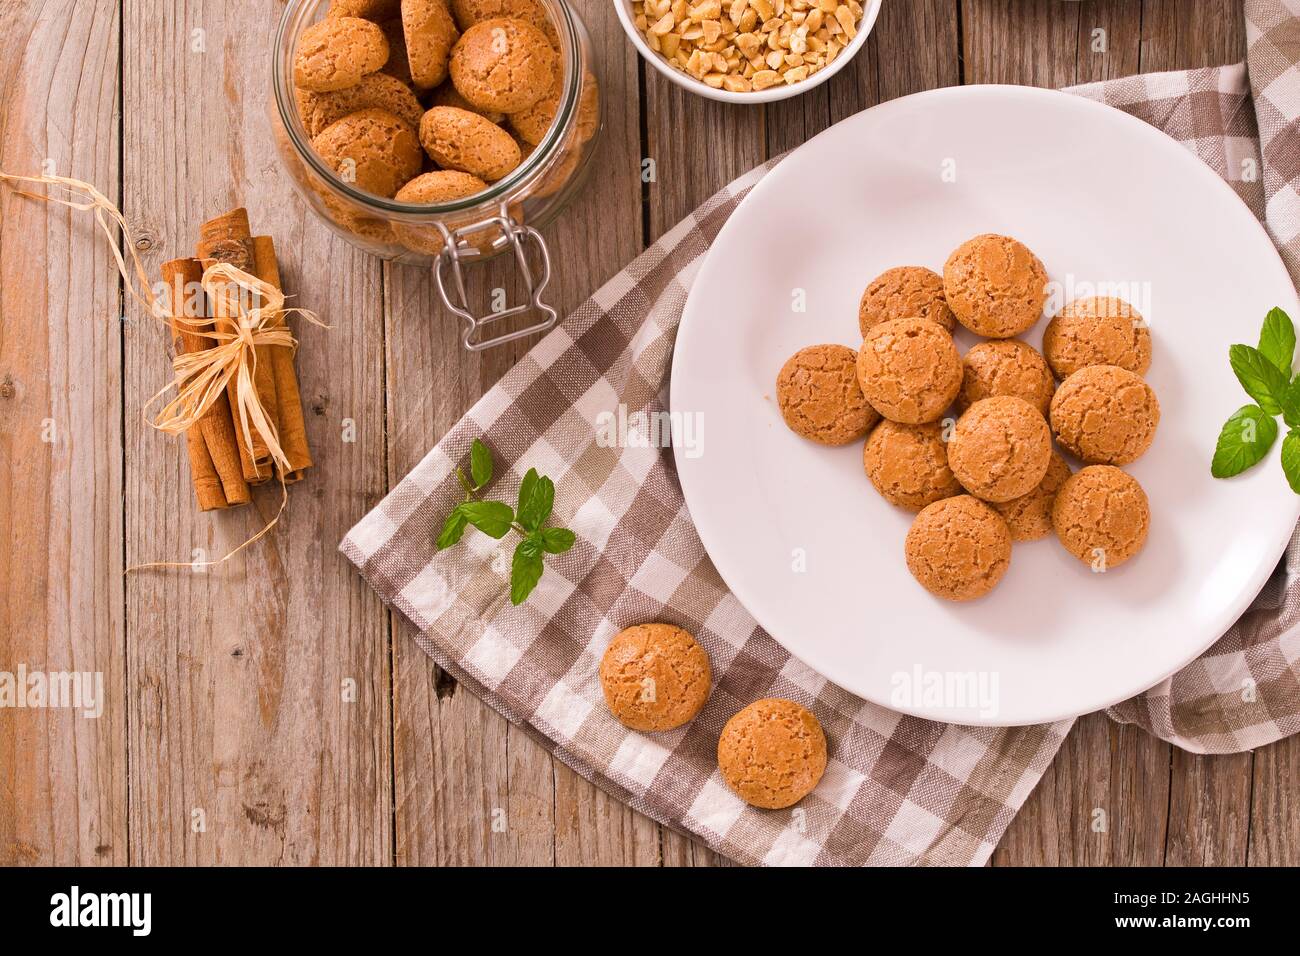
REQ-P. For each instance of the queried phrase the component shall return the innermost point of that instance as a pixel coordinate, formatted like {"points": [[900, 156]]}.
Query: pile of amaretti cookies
{"points": [[993, 477], [428, 101]]}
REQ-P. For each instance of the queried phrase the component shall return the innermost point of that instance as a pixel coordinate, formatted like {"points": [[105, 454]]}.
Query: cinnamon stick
{"points": [[293, 429], [215, 467], [229, 239]]}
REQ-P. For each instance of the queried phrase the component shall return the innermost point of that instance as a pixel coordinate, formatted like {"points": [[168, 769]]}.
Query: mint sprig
{"points": [[496, 519], [1266, 375]]}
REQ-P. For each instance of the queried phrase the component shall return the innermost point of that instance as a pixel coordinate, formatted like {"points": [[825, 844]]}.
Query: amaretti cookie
{"points": [[772, 753], [909, 369], [430, 35], [817, 391], [995, 286], [502, 64], [372, 149], [655, 677], [1029, 517], [908, 464], [1006, 367], [459, 139], [1101, 330], [440, 186], [1105, 415], [1102, 516], [377, 10], [470, 12], [337, 52], [531, 124], [958, 548], [1000, 448], [905, 292], [378, 90]]}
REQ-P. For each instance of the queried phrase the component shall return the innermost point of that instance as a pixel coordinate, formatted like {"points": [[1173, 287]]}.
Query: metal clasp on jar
{"points": [[458, 248]]}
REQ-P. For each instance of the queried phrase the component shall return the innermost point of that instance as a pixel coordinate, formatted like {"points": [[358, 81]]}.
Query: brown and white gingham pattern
{"points": [[897, 790]]}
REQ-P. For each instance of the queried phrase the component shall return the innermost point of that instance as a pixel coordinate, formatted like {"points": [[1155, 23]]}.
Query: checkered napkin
{"points": [[897, 789]]}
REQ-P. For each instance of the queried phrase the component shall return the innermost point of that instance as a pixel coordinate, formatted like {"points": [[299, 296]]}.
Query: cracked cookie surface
{"points": [[817, 390], [1000, 448], [1102, 516], [1006, 367], [1101, 330], [430, 34], [337, 52], [373, 149], [503, 65], [772, 753], [995, 286], [958, 548], [908, 464], [904, 292], [1105, 415], [655, 676], [462, 140], [1029, 517], [909, 370]]}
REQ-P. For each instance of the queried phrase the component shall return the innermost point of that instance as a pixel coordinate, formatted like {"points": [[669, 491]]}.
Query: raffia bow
{"points": [[202, 376]]}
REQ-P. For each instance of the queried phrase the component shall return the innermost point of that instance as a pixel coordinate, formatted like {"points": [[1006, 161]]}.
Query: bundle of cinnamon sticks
{"points": [[223, 462]]}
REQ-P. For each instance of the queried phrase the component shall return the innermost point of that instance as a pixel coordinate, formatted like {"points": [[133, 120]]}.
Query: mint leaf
{"points": [[557, 540], [526, 488], [1291, 459], [480, 463], [1291, 404], [1277, 340], [1262, 380], [1246, 438], [453, 527], [536, 507], [493, 518], [525, 569]]}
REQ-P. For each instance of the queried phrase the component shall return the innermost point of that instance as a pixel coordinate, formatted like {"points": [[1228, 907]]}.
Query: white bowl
{"points": [[870, 9]]}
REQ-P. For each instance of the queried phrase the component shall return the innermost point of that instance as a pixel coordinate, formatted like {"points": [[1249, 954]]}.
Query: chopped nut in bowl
{"points": [[748, 51]]}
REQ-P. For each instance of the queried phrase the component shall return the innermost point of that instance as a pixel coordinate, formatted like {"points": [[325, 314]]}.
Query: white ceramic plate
{"points": [[1102, 198]]}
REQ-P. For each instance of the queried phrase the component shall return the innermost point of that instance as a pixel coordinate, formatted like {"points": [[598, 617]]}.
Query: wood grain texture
{"points": [[63, 776], [259, 690], [233, 683]]}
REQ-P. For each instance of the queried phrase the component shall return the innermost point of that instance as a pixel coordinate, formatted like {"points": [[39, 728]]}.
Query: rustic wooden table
{"points": [[273, 711]]}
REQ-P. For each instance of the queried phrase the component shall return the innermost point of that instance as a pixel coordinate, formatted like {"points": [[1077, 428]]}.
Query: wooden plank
{"points": [[1209, 809], [1275, 805], [1102, 802], [259, 695], [1109, 39], [63, 776], [1030, 42], [459, 766], [1181, 36]]}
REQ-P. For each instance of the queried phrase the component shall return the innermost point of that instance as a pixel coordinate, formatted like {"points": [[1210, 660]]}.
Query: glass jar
{"points": [[502, 218]]}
